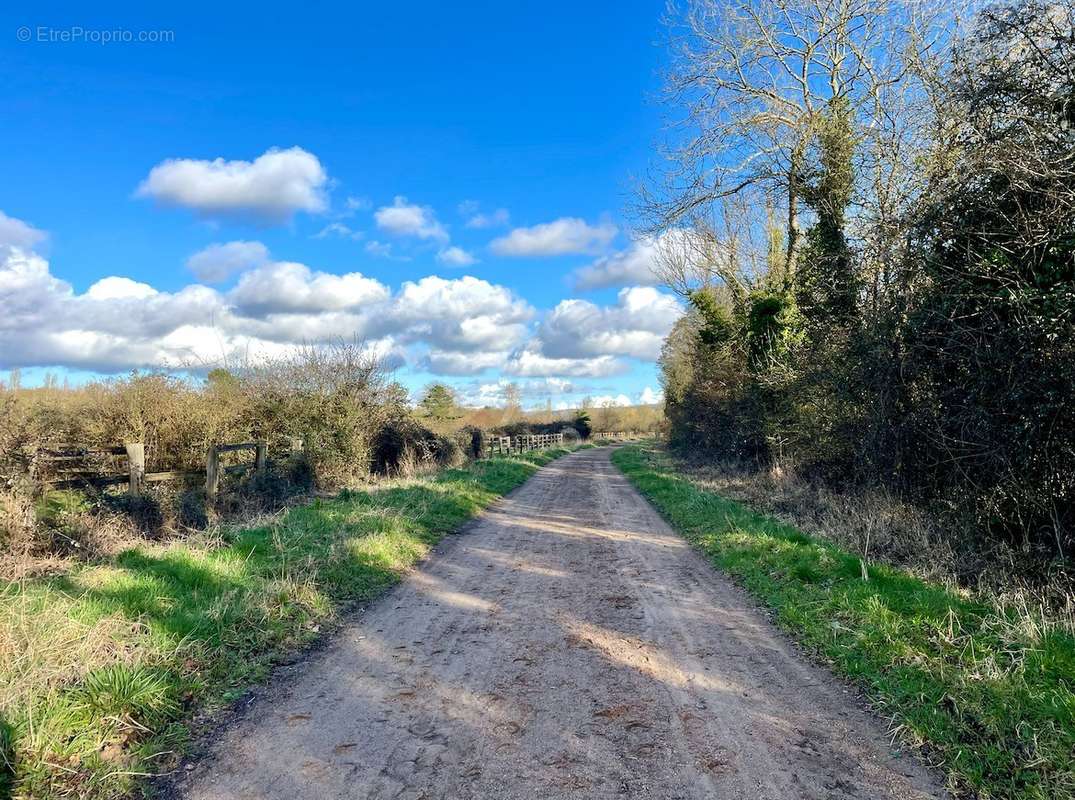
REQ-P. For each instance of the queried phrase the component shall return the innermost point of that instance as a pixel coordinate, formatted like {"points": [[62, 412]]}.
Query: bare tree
{"points": [[754, 81], [513, 407]]}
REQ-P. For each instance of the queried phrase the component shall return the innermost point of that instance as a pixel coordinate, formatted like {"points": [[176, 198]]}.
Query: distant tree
{"points": [[605, 416], [221, 378], [582, 423], [439, 405], [513, 407]]}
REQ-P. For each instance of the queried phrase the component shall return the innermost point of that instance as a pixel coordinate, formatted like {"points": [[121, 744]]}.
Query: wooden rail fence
{"points": [[615, 436], [506, 445], [68, 466]]}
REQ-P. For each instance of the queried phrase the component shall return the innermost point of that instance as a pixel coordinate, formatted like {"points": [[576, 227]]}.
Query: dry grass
{"points": [[878, 525]]}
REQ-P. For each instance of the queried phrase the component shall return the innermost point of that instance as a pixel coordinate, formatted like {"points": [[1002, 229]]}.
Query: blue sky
{"points": [[491, 146]]}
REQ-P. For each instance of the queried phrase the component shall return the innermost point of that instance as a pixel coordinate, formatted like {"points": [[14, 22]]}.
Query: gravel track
{"points": [[568, 644]]}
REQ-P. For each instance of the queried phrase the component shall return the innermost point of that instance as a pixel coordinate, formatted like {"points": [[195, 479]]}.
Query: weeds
{"points": [[986, 688], [102, 668]]}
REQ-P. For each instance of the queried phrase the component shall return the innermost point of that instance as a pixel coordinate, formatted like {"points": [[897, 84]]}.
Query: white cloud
{"points": [[407, 219], [116, 324], [529, 363], [354, 204], [340, 230], [648, 397], [491, 220], [635, 326], [610, 401], [380, 249], [272, 187], [638, 264], [560, 237], [441, 362], [631, 267], [120, 324], [463, 326], [16, 233], [218, 262], [456, 257], [115, 288], [492, 393], [288, 287], [463, 315]]}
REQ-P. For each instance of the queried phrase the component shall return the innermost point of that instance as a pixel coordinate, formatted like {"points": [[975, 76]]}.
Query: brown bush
{"points": [[335, 397]]}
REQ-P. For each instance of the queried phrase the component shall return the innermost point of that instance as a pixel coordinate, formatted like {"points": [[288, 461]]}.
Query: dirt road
{"points": [[568, 644]]}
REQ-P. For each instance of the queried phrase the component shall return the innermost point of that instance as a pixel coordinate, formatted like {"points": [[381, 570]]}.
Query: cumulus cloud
{"points": [[462, 326], [638, 264], [529, 362], [610, 401], [635, 326], [116, 288], [493, 393], [580, 339], [456, 257], [631, 267], [464, 315], [648, 397], [442, 362], [286, 287], [16, 233], [119, 324], [560, 237], [407, 219], [272, 187], [116, 324], [218, 262]]}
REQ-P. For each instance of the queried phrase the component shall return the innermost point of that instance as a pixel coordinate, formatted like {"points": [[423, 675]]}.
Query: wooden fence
{"points": [[506, 445], [67, 466], [616, 436]]}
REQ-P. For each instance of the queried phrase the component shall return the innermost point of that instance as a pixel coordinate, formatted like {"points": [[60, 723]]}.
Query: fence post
{"points": [[212, 472], [136, 463], [261, 455], [296, 448]]}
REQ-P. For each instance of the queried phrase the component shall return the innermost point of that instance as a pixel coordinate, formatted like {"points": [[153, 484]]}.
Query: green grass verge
{"points": [[987, 690], [103, 668]]}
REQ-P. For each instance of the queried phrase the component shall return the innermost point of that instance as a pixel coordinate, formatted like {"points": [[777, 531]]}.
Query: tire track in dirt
{"points": [[569, 644]]}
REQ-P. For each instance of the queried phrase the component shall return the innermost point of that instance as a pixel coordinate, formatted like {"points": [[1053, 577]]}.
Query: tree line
{"points": [[869, 208]]}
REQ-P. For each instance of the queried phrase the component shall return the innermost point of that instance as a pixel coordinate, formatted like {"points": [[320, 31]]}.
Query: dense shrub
{"points": [[926, 344], [335, 398]]}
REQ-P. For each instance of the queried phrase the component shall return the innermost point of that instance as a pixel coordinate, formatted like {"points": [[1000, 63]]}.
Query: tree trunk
{"points": [[793, 219]]}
